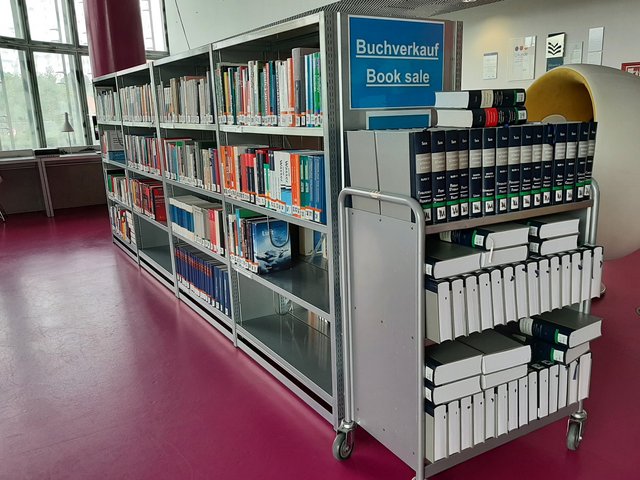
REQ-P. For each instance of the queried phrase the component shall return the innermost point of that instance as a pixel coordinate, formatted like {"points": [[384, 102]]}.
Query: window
{"points": [[51, 35]]}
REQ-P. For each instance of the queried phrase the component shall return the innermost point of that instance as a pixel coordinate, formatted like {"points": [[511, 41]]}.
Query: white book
{"points": [[486, 306], [473, 303], [523, 401], [587, 265], [543, 392], [509, 293], [453, 430], [438, 306], [436, 433], [502, 410], [572, 389], [552, 226], [490, 413], [497, 297], [503, 256], [553, 245], [503, 376], [576, 276], [554, 282], [533, 288], [584, 376], [499, 351], [450, 362], [451, 391], [565, 280], [563, 385], [458, 310], [512, 411], [532, 385], [522, 302], [553, 388], [544, 289], [478, 418], [448, 259], [596, 272], [466, 423]]}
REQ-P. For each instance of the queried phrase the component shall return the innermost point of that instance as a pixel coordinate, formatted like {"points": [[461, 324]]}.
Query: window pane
{"points": [[80, 22], [49, 21], [88, 85], [59, 93], [17, 124], [10, 19], [153, 25]]}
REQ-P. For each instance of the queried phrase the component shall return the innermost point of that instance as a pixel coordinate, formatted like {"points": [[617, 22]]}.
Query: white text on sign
{"points": [[396, 78]]}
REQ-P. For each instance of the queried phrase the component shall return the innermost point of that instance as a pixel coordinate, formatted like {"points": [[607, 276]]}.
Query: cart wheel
{"points": [[574, 436], [342, 446]]}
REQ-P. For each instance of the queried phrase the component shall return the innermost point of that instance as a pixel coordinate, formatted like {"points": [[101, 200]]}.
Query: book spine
{"points": [[559, 160], [420, 170], [452, 175], [488, 171], [514, 165], [463, 169], [581, 167], [536, 167], [475, 173], [541, 351], [548, 147], [591, 150], [571, 160], [439, 176], [509, 97], [526, 167], [502, 170], [554, 334]]}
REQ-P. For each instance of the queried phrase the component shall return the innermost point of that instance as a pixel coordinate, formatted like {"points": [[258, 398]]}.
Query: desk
{"points": [[42, 162]]}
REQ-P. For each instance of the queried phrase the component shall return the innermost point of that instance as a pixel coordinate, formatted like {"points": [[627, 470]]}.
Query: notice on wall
{"points": [[573, 53], [555, 45], [490, 66], [631, 67], [594, 58], [522, 63], [596, 39], [394, 63]]}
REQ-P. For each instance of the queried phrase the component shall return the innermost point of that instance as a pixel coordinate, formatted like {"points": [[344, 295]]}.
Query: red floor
{"points": [[104, 374]]}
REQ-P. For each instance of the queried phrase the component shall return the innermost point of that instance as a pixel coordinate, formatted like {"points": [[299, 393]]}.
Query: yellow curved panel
{"points": [[560, 91]]}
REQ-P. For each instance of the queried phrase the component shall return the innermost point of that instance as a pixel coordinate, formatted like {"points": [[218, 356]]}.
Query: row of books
{"points": [[287, 181], [284, 93], [193, 163], [118, 187], [122, 223], [198, 220], [107, 105], [186, 99], [257, 243], [143, 153], [137, 103], [112, 145], [471, 420], [148, 199], [461, 173], [203, 277]]}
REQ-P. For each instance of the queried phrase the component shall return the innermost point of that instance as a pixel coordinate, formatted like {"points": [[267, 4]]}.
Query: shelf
{"points": [[189, 126], [116, 123], [201, 191], [153, 222], [184, 292], [114, 163], [145, 174], [160, 258], [139, 124], [293, 131], [128, 247], [507, 217], [118, 202], [318, 227], [203, 249], [303, 283], [290, 342]]}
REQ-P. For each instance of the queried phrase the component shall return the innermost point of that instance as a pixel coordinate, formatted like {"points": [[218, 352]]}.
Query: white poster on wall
{"points": [[522, 63], [573, 53], [490, 66], [596, 39], [555, 45]]}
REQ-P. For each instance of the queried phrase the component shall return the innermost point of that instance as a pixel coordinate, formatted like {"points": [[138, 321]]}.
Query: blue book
{"points": [[439, 176], [571, 161], [581, 166], [463, 171], [475, 172], [526, 166], [271, 245], [559, 162], [488, 171], [536, 166], [548, 143], [514, 165], [502, 169], [452, 163]]}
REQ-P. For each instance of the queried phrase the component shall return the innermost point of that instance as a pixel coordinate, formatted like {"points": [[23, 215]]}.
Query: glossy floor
{"points": [[104, 374]]}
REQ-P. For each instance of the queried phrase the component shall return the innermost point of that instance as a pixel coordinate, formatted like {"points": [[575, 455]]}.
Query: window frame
{"points": [[29, 47]]}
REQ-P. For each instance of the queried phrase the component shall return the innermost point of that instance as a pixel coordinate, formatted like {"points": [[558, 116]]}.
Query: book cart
{"points": [[384, 327]]}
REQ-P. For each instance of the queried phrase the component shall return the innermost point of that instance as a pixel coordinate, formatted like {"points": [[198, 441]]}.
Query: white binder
{"points": [[596, 272], [576, 276], [497, 297], [532, 385], [486, 310], [453, 431], [473, 303], [533, 288], [553, 389], [478, 418], [436, 434], [572, 389], [490, 413], [563, 385], [509, 289], [438, 307], [584, 376], [565, 280], [466, 423], [523, 401], [587, 265], [543, 393], [554, 282], [513, 407], [458, 305], [522, 303], [502, 410], [544, 271]]}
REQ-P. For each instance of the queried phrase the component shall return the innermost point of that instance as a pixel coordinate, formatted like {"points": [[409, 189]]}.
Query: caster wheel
{"points": [[574, 436], [342, 446]]}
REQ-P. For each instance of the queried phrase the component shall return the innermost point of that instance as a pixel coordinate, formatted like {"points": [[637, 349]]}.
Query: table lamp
{"points": [[66, 127]]}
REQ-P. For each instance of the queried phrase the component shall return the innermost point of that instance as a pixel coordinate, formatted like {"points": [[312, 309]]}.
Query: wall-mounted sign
{"points": [[395, 63], [523, 58], [555, 45], [631, 67]]}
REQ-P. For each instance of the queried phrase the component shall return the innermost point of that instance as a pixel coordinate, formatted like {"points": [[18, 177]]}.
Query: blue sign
{"points": [[395, 63]]}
